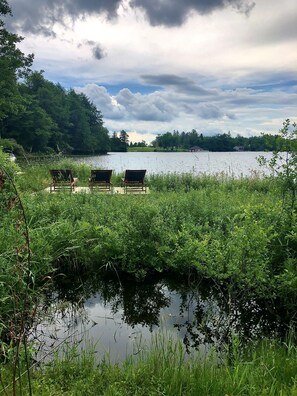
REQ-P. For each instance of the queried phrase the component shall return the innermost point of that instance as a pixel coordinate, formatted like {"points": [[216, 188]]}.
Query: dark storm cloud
{"points": [[175, 12], [39, 16], [183, 84], [98, 52]]}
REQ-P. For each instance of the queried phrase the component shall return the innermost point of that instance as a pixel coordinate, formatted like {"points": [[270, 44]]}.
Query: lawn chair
{"points": [[100, 180], [62, 180], [134, 180]]}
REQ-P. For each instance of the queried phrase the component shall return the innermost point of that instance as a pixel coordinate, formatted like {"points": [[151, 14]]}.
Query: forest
{"points": [[51, 119]]}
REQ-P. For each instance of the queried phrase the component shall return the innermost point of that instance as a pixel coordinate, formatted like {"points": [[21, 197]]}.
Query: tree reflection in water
{"points": [[200, 312]]}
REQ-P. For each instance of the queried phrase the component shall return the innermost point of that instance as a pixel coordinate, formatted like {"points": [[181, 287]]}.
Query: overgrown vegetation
{"points": [[240, 233], [283, 163], [266, 368], [236, 231]]}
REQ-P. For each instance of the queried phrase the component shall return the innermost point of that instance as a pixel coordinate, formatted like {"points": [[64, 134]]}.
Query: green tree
{"points": [[100, 141], [32, 127], [124, 138], [13, 64], [283, 163], [79, 131]]}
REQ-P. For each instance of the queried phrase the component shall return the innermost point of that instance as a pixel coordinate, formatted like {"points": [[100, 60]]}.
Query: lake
{"points": [[234, 164]]}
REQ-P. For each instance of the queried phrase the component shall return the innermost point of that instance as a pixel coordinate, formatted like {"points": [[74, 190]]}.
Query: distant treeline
{"points": [[221, 142]]}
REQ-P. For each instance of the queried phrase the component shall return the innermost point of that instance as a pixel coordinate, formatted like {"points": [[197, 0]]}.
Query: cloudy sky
{"points": [[153, 66]]}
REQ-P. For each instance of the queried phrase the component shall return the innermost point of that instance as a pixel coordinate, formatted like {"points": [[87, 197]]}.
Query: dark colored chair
{"points": [[134, 180], [100, 179], [62, 179]]}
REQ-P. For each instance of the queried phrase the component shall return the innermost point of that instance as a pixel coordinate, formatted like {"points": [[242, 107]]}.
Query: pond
{"points": [[119, 315], [235, 164]]}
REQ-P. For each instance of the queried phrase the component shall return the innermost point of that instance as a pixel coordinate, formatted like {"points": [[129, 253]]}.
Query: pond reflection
{"points": [[120, 315]]}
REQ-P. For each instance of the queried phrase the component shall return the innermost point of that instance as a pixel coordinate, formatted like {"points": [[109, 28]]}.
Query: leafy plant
{"points": [[283, 163]]}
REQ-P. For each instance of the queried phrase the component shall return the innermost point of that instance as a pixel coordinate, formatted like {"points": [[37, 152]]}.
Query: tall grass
{"points": [[225, 229], [236, 232], [265, 368], [35, 177]]}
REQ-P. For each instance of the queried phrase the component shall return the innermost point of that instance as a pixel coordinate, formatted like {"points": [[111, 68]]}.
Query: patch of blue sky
{"points": [[265, 83], [275, 86], [114, 89]]}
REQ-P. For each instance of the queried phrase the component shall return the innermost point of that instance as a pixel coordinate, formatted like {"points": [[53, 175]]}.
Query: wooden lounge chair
{"points": [[62, 179], [134, 180], [100, 180]]}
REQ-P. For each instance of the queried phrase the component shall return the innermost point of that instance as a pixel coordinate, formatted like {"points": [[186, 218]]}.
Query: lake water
{"points": [[235, 164]]}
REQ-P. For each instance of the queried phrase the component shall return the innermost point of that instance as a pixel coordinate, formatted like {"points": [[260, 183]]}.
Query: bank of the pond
{"points": [[241, 234], [234, 231], [268, 368]]}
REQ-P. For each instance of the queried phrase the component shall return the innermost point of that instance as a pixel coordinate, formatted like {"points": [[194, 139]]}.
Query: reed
{"points": [[236, 232], [264, 368], [226, 229]]}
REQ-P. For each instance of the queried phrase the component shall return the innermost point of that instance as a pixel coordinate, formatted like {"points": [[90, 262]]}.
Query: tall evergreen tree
{"points": [[13, 64]]}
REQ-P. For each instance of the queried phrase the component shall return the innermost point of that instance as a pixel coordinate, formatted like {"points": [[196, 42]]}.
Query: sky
{"points": [[152, 66]]}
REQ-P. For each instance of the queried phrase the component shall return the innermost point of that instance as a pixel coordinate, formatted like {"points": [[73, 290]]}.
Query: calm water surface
{"points": [[231, 163], [121, 316]]}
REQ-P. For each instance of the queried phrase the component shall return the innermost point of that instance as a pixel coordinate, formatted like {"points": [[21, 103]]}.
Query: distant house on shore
{"points": [[195, 149], [238, 148]]}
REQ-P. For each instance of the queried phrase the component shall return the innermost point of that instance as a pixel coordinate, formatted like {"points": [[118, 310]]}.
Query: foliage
{"points": [[17, 281], [119, 143], [57, 120], [39, 114], [233, 231], [13, 63], [267, 368], [283, 163], [141, 144], [12, 145]]}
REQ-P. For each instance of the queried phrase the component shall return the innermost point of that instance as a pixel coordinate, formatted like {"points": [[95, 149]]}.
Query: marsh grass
{"points": [[35, 177], [233, 230], [264, 368]]}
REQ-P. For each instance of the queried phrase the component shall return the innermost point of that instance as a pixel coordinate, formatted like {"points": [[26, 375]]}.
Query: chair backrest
{"points": [[135, 175], [101, 175], [61, 175]]}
